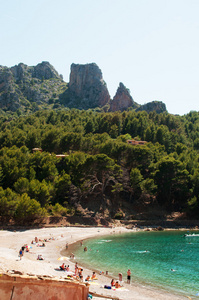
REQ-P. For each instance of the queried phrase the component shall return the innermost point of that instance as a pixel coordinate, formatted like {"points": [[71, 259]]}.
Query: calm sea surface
{"points": [[151, 256]]}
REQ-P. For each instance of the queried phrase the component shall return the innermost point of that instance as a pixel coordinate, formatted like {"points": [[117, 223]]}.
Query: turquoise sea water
{"points": [[151, 256]]}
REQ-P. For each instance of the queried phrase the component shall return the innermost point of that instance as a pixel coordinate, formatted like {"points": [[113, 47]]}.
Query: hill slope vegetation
{"points": [[98, 174]]}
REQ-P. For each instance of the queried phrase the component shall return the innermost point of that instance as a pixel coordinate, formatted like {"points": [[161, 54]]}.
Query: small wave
{"points": [[144, 251], [104, 241]]}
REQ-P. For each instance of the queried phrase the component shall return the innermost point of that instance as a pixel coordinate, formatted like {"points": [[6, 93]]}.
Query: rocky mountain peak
{"points": [[41, 71], [122, 99], [87, 84], [26, 87], [45, 70], [19, 71]]}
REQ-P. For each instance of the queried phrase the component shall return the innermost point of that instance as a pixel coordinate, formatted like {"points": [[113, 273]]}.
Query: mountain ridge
{"points": [[30, 88]]}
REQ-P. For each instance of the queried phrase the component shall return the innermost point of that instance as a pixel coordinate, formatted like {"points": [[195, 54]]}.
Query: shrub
{"points": [[28, 210], [58, 210]]}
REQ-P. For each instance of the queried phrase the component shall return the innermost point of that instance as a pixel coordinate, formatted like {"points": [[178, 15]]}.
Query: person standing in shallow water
{"points": [[120, 278], [128, 276]]}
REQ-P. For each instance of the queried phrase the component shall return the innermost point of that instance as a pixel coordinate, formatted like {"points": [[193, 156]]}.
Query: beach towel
{"points": [[120, 289], [107, 287], [91, 282], [63, 258]]}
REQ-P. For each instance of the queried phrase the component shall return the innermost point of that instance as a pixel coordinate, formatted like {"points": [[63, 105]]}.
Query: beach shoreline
{"points": [[12, 241]]}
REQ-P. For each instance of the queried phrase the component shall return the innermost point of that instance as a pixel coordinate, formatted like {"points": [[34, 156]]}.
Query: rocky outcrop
{"points": [[9, 92], [29, 88], [45, 70], [87, 89], [157, 106], [122, 99], [41, 71], [20, 72]]}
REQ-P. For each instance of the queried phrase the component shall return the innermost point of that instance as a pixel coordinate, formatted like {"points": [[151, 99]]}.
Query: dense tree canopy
{"points": [[97, 160]]}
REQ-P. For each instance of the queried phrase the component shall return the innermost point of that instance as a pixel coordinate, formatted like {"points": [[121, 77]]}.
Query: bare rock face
{"points": [[122, 99], [19, 72], [157, 106], [42, 71], [45, 70], [9, 92], [29, 87], [87, 89]]}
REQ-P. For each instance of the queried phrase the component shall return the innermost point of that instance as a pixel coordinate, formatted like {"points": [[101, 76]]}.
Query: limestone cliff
{"points": [[29, 88], [41, 71], [122, 99], [87, 89]]}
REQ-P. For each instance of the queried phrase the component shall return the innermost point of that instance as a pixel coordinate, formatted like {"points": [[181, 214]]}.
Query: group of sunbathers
{"points": [[115, 284], [63, 267], [78, 273], [93, 277]]}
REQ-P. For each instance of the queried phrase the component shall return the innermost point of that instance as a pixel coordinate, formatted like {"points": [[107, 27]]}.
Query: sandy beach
{"points": [[12, 241]]}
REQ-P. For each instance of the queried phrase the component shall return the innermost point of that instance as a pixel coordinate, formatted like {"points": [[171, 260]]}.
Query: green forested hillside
{"points": [[100, 174]]}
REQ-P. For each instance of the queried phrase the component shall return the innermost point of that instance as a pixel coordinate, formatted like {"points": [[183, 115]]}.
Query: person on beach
{"points": [[93, 277], [81, 274], [76, 269], [39, 257], [101, 272], [112, 282], [62, 267], [128, 276], [20, 254], [117, 285], [120, 278], [88, 278]]}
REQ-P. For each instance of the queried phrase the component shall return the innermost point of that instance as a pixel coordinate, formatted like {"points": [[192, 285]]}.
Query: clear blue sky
{"points": [[151, 46]]}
